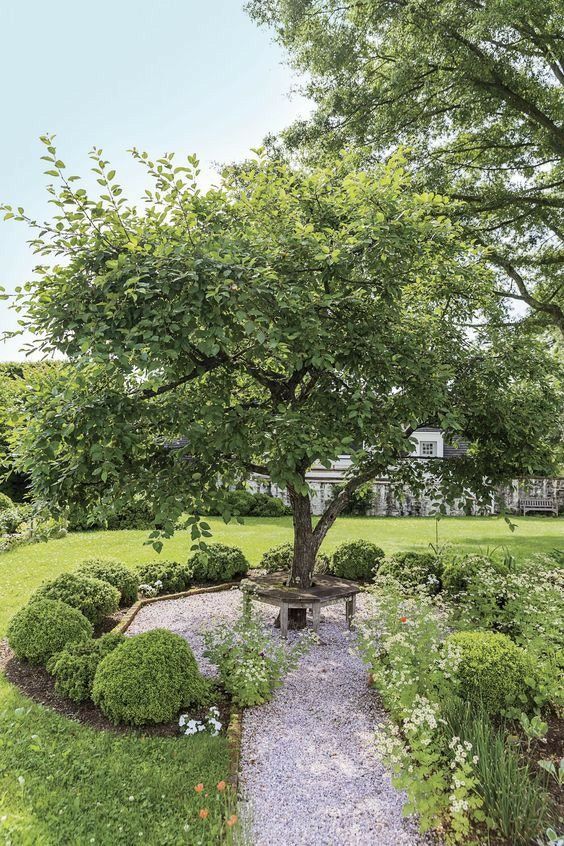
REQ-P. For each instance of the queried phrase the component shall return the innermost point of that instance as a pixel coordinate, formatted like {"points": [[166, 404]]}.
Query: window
{"points": [[428, 449]]}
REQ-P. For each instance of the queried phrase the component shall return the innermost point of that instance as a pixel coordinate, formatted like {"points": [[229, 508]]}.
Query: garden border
{"points": [[235, 728]]}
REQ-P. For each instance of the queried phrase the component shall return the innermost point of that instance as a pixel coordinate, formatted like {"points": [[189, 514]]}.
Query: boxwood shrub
{"points": [[173, 577], [280, 558], [277, 558], [44, 627], [115, 573], [75, 666], [218, 563], [358, 559], [413, 569], [490, 671], [93, 597], [148, 679], [458, 574]]}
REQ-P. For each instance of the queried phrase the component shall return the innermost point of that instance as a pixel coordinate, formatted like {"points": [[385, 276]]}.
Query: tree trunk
{"points": [[305, 551]]}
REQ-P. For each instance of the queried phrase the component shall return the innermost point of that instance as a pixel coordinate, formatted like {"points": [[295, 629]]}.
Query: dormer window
{"points": [[428, 449]]}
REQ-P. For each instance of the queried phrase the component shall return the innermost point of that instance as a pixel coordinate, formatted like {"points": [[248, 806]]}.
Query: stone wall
{"points": [[386, 505]]}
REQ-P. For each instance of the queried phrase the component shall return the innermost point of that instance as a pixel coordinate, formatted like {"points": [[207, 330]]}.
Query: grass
{"points": [[513, 796], [61, 782]]}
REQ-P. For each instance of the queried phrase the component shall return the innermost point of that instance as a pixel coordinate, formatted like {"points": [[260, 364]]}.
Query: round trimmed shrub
{"points": [[93, 597], [458, 574], [173, 577], [356, 560], [489, 670], [148, 679], [280, 558], [218, 563], [277, 558], [75, 666], [5, 502], [115, 573], [44, 627], [412, 569]]}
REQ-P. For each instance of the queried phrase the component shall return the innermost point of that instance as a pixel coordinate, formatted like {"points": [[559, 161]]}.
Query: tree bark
{"points": [[305, 543]]}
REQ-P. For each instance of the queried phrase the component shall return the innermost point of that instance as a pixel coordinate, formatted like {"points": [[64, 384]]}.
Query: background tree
{"points": [[15, 378], [474, 87], [260, 327]]}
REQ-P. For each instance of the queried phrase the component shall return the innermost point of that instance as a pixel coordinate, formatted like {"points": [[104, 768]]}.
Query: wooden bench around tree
{"points": [[539, 503], [325, 590]]}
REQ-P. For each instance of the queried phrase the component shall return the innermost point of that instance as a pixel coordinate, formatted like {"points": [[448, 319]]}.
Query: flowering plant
{"points": [[152, 589], [251, 663], [402, 643], [210, 724]]}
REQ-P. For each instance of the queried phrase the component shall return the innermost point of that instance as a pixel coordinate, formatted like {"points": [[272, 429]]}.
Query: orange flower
{"points": [[199, 788], [403, 619], [232, 820], [203, 813], [221, 785]]}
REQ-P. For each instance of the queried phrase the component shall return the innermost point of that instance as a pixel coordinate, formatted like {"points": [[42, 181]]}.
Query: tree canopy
{"points": [[264, 325], [474, 88], [15, 379]]}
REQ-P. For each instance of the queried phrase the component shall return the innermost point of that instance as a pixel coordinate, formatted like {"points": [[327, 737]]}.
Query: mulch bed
{"points": [[36, 683]]}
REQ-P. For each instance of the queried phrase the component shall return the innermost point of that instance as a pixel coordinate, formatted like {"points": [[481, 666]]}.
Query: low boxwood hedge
{"points": [[218, 563], [75, 666], [358, 559], [164, 576], [93, 597], [148, 679], [115, 573], [490, 671], [413, 570], [280, 558], [44, 627]]}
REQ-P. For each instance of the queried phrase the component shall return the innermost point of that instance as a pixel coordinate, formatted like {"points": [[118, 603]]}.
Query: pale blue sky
{"points": [[193, 76]]}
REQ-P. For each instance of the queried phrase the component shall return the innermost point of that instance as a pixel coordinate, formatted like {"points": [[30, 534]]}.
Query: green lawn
{"points": [[61, 783]]}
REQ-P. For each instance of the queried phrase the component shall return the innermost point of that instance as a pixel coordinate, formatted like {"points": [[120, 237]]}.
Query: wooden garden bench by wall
{"points": [[539, 503]]}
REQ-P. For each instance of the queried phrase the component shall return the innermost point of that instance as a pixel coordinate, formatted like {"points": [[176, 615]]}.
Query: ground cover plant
{"points": [[467, 696], [251, 663]]}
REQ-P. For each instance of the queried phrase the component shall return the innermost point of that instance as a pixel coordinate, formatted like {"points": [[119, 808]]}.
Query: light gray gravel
{"points": [[310, 772]]}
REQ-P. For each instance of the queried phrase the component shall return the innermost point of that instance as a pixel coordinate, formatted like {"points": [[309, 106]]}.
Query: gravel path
{"points": [[310, 772]]}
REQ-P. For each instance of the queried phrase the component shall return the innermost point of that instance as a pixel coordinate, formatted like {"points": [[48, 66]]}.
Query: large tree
{"points": [[260, 327], [475, 88]]}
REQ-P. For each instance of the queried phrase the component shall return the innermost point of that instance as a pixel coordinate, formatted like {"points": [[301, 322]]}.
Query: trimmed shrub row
{"points": [[354, 560]]}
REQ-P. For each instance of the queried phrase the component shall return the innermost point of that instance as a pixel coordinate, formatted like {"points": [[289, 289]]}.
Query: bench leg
{"points": [[284, 621], [350, 610], [316, 612]]}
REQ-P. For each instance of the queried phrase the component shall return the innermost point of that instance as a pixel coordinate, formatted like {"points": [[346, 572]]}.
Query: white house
{"points": [[429, 443]]}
